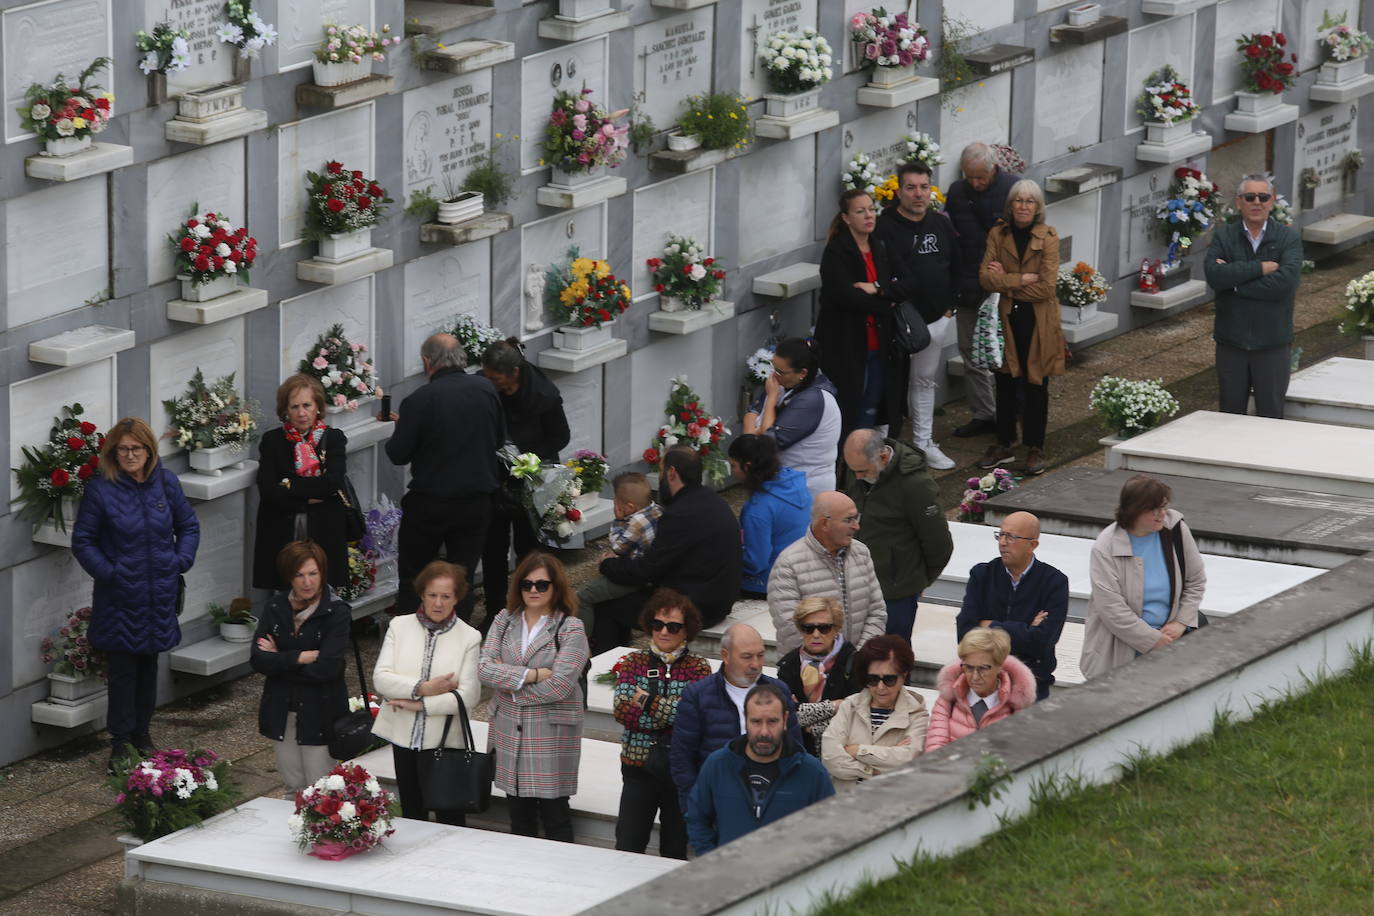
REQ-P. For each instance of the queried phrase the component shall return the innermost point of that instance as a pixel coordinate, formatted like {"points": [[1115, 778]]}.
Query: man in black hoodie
{"points": [[925, 241]]}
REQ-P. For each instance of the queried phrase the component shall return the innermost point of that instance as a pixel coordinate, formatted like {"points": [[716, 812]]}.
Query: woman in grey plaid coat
{"points": [[533, 657]]}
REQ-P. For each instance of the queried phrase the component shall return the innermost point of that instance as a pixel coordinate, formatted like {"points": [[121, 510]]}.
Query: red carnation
{"points": [[75, 443], [686, 268], [1252, 51], [102, 104], [605, 315], [210, 216], [1266, 41], [348, 191], [709, 261], [653, 262], [235, 256], [219, 262], [202, 262], [1284, 68], [1279, 37], [207, 250], [249, 255], [364, 203], [334, 204], [685, 415], [358, 185], [357, 173], [334, 167], [87, 428], [658, 287], [60, 478], [191, 223], [574, 515], [719, 275], [85, 471], [651, 455], [188, 244], [375, 190]]}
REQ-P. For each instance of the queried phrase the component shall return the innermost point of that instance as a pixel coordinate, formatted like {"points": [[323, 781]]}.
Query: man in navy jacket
{"points": [[1022, 595], [760, 777]]}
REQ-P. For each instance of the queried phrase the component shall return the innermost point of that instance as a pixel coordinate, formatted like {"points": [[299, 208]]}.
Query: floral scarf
{"points": [[815, 670], [305, 449]]}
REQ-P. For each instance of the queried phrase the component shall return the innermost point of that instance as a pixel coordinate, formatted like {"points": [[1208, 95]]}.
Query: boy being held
{"points": [[636, 523]]}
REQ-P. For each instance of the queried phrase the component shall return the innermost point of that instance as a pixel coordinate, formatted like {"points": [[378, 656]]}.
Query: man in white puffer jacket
{"points": [[828, 563]]}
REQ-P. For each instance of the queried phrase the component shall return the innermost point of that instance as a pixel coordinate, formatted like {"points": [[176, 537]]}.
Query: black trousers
{"points": [[615, 619], [457, 524], [1017, 398], [509, 522], [1265, 372], [642, 796], [132, 696], [527, 813], [407, 764]]}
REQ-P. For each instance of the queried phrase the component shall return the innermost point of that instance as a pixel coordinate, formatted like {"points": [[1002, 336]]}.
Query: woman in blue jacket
{"points": [[135, 534], [778, 510]]}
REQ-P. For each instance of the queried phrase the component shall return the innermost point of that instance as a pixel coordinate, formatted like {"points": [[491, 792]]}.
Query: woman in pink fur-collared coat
{"points": [[988, 676]]}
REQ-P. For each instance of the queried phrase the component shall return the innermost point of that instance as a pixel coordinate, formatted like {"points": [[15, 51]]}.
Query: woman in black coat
{"points": [[855, 326], [301, 467], [299, 645], [819, 672]]}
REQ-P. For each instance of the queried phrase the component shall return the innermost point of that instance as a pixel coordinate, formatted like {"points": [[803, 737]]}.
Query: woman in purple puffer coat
{"points": [[135, 534]]}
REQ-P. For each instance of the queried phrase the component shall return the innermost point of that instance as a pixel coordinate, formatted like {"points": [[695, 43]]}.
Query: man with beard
{"points": [[760, 777]]}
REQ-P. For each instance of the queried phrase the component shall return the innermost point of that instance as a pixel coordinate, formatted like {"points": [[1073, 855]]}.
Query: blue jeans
{"points": [[901, 616], [873, 389]]}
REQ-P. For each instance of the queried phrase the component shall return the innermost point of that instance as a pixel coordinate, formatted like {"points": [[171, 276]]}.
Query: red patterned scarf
{"points": [[305, 449]]}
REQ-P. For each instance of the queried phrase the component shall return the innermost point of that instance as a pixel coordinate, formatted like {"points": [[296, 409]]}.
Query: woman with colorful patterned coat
{"points": [[649, 683]]}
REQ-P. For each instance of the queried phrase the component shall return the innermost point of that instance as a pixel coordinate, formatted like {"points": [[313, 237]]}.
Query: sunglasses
{"points": [[672, 626], [809, 628], [1252, 197], [538, 585], [889, 680]]}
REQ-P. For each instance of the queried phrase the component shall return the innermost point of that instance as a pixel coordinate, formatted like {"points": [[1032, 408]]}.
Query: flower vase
{"points": [[157, 88], [192, 291], [1334, 73], [70, 690], [342, 246], [66, 146], [1368, 340], [1349, 181], [887, 77], [344, 408], [213, 460], [1085, 14], [466, 206], [672, 303], [566, 179], [238, 632], [337, 74], [1159, 132], [1112, 461], [243, 68], [1257, 102], [1307, 197], [580, 10], [681, 143], [576, 337], [790, 105]]}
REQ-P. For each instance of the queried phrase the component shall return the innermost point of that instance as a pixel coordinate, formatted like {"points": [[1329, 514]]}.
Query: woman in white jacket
{"points": [[882, 727], [425, 658]]}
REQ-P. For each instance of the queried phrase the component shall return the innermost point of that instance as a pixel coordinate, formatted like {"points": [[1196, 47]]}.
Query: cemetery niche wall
{"points": [[92, 310]]}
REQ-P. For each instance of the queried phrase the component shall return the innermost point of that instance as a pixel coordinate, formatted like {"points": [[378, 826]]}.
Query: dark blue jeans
{"points": [[873, 389], [133, 695], [901, 615]]}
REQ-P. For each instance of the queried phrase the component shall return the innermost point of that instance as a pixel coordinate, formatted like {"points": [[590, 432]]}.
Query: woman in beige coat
{"points": [[1021, 262], [882, 727], [424, 659], [1147, 579]]}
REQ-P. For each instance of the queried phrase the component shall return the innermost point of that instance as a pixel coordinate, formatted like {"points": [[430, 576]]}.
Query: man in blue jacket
{"points": [[711, 711], [1026, 597], [760, 777]]}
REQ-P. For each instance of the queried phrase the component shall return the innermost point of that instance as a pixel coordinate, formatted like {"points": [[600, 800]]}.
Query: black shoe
{"points": [[143, 745], [975, 427], [121, 755]]}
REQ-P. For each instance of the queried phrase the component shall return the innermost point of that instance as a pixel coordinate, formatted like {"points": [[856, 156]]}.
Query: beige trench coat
{"points": [[878, 753]]}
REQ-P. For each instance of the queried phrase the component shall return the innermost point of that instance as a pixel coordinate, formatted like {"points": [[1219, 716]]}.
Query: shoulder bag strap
{"points": [[358, 658], [465, 721]]}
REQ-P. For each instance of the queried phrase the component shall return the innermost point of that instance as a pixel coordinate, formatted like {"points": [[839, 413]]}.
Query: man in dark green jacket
{"points": [[1254, 265], [901, 521]]}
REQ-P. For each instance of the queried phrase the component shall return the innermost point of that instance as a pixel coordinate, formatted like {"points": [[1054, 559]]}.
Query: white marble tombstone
{"points": [[1236, 18], [42, 593], [43, 39], [1306, 43], [1068, 100], [305, 318], [1078, 218], [546, 242], [1141, 237], [212, 60], [1149, 49], [64, 217], [582, 405], [302, 146], [212, 177], [652, 368], [36, 402], [448, 131], [439, 287], [301, 29], [1324, 138], [216, 349], [762, 18], [981, 14], [542, 76], [680, 206], [880, 136], [218, 573], [673, 59], [979, 112], [777, 209]]}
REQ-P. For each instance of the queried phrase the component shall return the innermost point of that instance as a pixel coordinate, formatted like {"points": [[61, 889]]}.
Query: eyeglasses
{"points": [[1008, 536], [1252, 197], [979, 670], [809, 628], [889, 680], [538, 585], [129, 449], [672, 626], [849, 519]]}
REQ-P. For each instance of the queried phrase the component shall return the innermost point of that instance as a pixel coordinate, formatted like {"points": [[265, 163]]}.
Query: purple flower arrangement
{"points": [[980, 489], [71, 653], [171, 790]]}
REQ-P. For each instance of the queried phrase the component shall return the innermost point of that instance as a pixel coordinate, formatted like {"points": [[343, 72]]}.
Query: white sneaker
{"points": [[937, 459]]}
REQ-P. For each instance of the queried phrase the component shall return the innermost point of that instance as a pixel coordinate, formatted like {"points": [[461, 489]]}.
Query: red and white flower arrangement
{"points": [[58, 469], [370, 702], [686, 272], [70, 652], [342, 367], [171, 790], [689, 424], [362, 573], [583, 292], [342, 814], [888, 41], [211, 246], [342, 200], [1166, 98], [1265, 63], [61, 110]]}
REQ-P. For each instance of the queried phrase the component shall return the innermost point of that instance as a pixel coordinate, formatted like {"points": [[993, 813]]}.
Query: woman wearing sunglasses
{"points": [[883, 726], [984, 686], [649, 682], [533, 657], [819, 672]]}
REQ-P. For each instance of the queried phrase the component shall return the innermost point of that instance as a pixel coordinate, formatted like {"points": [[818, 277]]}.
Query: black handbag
{"points": [[910, 335], [355, 525], [456, 779], [352, 733]]}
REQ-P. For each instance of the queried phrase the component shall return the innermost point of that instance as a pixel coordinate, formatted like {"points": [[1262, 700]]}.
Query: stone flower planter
{"points": [[204, 292], [1337, 72], [467, 205], [681, 143], [65, 688], [332, 74], [566, 179], [778, 105], [580, 338], [66, 146], [344, 245], [238, 632], [887, 77], [214, 460]]}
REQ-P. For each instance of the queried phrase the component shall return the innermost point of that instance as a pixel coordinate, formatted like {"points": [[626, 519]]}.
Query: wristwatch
{"points": [[286, 482]]}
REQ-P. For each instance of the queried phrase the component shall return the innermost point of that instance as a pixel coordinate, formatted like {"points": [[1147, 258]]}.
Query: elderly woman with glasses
{"points": [[986, 684], [883, 726], [649, 683], [819, 672], [1147, 579]]}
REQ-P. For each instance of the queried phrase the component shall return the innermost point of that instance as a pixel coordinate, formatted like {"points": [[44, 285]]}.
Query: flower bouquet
{"points": [[381, 526], [1166, 98], [860, 174], [887, 43], [921, 147], [583, 292], [167, 50], [1344, 43], [719, 120], [362, 574], [1265, 64], [979, 489], [473, 336], [1008, 159], [591, 469], [548, 492], [209, 416], [342, 368], [796, 64], [342, 814], [689, 424], [347, 51], [67, 116], [342, 201], [211, 248], [171, 790], [372, 703], [759, 366], [58, 470], [1128, 407], [1359, 306], [581, 136], [70, 653], [244, 28], [685, 274], [1187, 213], [1081, 285]]}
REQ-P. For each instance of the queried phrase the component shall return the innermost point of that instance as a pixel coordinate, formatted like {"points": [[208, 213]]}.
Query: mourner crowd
{"points": [[841, 534]]}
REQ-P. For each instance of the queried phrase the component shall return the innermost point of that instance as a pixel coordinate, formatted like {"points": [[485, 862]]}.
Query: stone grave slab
{"points": [[470, 230], [760, 19], [789, 281], [305, 318], [652, 370], [979, 111], [680, 4], [1069, 95], [42, 593], [81, 345], [248, 852], [1338, 391], [1335, 230], [673, 59], [35, 402], [601, 697], [300, 30], [346, 136], [773, 217], [546, 241], [219, 572], [447, 132], [543, 75], [43, 39], [1078, 221], [1246, 521], [1149, 48], [583, 406], [1190, 292], [438, 288], [71, 217], [682, 207], [1256, 450], [427, 17], [212, 178], [99, 159], [1173, 7], [216, 350], [560, 29], [982, 15], [1325, 136]]}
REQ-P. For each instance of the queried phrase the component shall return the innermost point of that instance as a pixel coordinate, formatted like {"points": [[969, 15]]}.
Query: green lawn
{"points": [[1271, 815]]}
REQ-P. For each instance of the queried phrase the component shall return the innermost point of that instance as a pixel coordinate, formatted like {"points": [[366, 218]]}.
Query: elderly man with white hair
{"points": [[828, 563]]}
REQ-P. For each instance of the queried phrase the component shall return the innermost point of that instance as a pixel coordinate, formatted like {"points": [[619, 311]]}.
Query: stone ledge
{"points": [[1257, 122], [690, 320], [557, 359], [1190, 146], [1094, 327], [813, 122], [693, 160], [80, 346], [61, 715], [479, 227], [369, 262], [99, 159], [209, 656], [568, 30], [896, 96], [593, 192], [468, 56], [1189, 293], [368, 432], [425, 17], [1173, 7], [226, 127], [1102, 29], [1079, 180], [362, 90], [680, 4], [212, 486], [1348, 91], [241, 301], [789, 281], [999, 58], [1343, 227]]}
